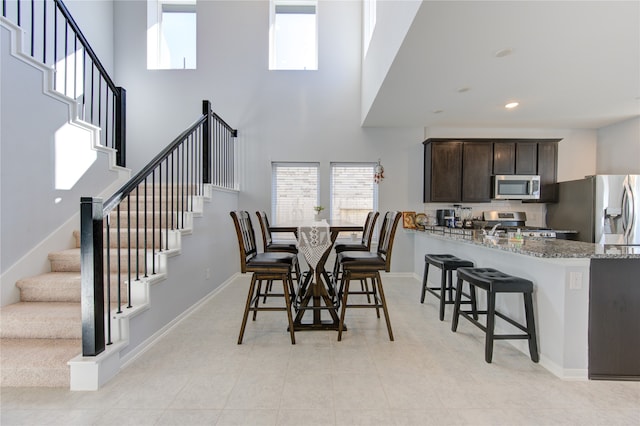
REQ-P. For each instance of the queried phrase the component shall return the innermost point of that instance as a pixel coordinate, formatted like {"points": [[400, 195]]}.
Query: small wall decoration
{"points": [[409, 220], [378, 173]]}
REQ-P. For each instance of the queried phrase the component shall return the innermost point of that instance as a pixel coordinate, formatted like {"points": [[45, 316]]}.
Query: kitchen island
{"points": [[563, 275]]}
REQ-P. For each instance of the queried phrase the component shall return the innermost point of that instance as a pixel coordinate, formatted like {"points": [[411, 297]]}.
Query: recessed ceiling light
{"points": [[504, 52], [511, 105]]}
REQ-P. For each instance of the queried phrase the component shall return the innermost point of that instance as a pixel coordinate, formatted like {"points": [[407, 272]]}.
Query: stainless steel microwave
{"points": [[516, 187]]}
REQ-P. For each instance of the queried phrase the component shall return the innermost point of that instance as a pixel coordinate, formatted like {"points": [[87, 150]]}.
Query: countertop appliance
{"points": [[604, 209], [443, 216], [516, 187], [510, 222]]}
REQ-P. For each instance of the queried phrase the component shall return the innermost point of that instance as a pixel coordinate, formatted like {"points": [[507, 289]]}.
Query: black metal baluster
{"points": [[106, 117], [44, 32], [159, 207], [166, 206], [75, 67], [137, 233], [55, 48], [92, 90], [84, 84], [108, 301], [129, 250], [174, 219], [182, 184], [153, 222], [146, 229], [33, 27], [66, 56], [119, 257], [19, 17]]}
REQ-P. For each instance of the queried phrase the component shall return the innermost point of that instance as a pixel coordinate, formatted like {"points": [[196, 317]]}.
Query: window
{"points": [[295, 190], [369, 23], [171, 34], [353, 191], [293, 35]]}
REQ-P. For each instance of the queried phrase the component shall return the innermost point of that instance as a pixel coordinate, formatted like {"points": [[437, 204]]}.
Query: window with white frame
{"points": [[353, 191], [293, 35], [171, 34], [295, 190]]}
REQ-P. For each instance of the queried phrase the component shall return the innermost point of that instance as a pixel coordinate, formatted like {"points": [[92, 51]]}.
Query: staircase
{"points": [[40, 334]]}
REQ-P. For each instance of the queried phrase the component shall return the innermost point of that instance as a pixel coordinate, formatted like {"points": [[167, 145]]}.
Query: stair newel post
{"points": [[206, 142], [121, 127], [92, 290]]}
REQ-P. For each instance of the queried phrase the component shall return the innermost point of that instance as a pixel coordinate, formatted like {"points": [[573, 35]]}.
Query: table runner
{"points": [[313, 242]]}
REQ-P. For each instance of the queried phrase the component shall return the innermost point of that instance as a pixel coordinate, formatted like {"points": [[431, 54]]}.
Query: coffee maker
{"points": [[445, 217]]}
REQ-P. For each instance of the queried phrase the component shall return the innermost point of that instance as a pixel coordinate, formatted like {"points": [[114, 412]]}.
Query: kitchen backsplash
{"points": [[536, 212]]}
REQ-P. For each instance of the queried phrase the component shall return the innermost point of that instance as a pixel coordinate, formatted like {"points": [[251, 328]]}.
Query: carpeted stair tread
{"points": [[41, 320], [60, 287], [69, 260], [37, 362]]}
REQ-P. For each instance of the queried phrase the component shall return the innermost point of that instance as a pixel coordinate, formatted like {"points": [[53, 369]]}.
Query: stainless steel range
{"points": [[511, 222]]}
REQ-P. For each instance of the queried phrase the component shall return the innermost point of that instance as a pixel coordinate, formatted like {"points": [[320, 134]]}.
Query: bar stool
{"points": [[447, 264], [493, 282]]}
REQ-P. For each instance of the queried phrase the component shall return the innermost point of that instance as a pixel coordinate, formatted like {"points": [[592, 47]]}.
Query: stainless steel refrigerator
{"points": [[604, 209]]}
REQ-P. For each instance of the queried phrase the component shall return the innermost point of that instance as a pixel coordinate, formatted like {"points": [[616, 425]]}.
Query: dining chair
{"points": [[265, 267], [364, 265], [363, 245], [269, 246]]}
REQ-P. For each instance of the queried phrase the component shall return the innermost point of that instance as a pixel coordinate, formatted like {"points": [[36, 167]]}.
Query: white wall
{"points": [[214, 246], [280, 115], [618, 148], [95, 19], [28, 168]]}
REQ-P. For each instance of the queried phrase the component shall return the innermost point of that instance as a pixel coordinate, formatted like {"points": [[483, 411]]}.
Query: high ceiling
{"points": [[570, 64]]}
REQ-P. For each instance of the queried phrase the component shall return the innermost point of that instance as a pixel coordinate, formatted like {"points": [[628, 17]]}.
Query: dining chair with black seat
{"points": [[270, 246], [363, 245], [366, 265], [265, 267]]}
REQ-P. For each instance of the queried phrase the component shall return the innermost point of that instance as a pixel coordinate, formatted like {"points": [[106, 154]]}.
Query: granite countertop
{"points": [[537, 247]]}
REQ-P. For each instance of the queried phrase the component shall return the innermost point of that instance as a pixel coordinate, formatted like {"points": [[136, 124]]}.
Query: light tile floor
{"points": [[197, 375]]}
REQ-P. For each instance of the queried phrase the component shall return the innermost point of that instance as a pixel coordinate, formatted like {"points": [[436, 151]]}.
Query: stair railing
{"points": [[136, 221], [54, 38]]}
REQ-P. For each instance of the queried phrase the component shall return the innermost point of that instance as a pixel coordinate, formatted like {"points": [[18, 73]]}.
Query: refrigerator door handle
{"points": [[628, 210]]}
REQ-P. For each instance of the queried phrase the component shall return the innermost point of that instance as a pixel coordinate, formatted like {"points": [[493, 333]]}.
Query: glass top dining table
{"points": [[318, 292]]}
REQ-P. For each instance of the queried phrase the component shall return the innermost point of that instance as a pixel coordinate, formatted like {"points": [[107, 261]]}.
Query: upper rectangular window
{"points": [[171, 34], [293, 35], [295, 190], [353, 191], [369, 23]]}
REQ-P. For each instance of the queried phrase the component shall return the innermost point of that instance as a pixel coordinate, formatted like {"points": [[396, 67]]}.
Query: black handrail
{"points": [[176, 175], [133, 183]]}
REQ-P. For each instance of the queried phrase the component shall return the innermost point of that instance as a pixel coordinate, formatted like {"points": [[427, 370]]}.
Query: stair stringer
{"points": [[90, 373], [48, 78]]}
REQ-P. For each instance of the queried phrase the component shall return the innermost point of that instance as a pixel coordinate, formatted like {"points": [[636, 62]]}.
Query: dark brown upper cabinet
{"points": [[458, 170], [477, 161], [526, 158], [443, 171], [504, 154]]}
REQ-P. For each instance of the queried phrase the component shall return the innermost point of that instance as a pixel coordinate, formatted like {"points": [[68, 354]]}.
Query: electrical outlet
{"points": [[207, 273], [575, 280]]}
